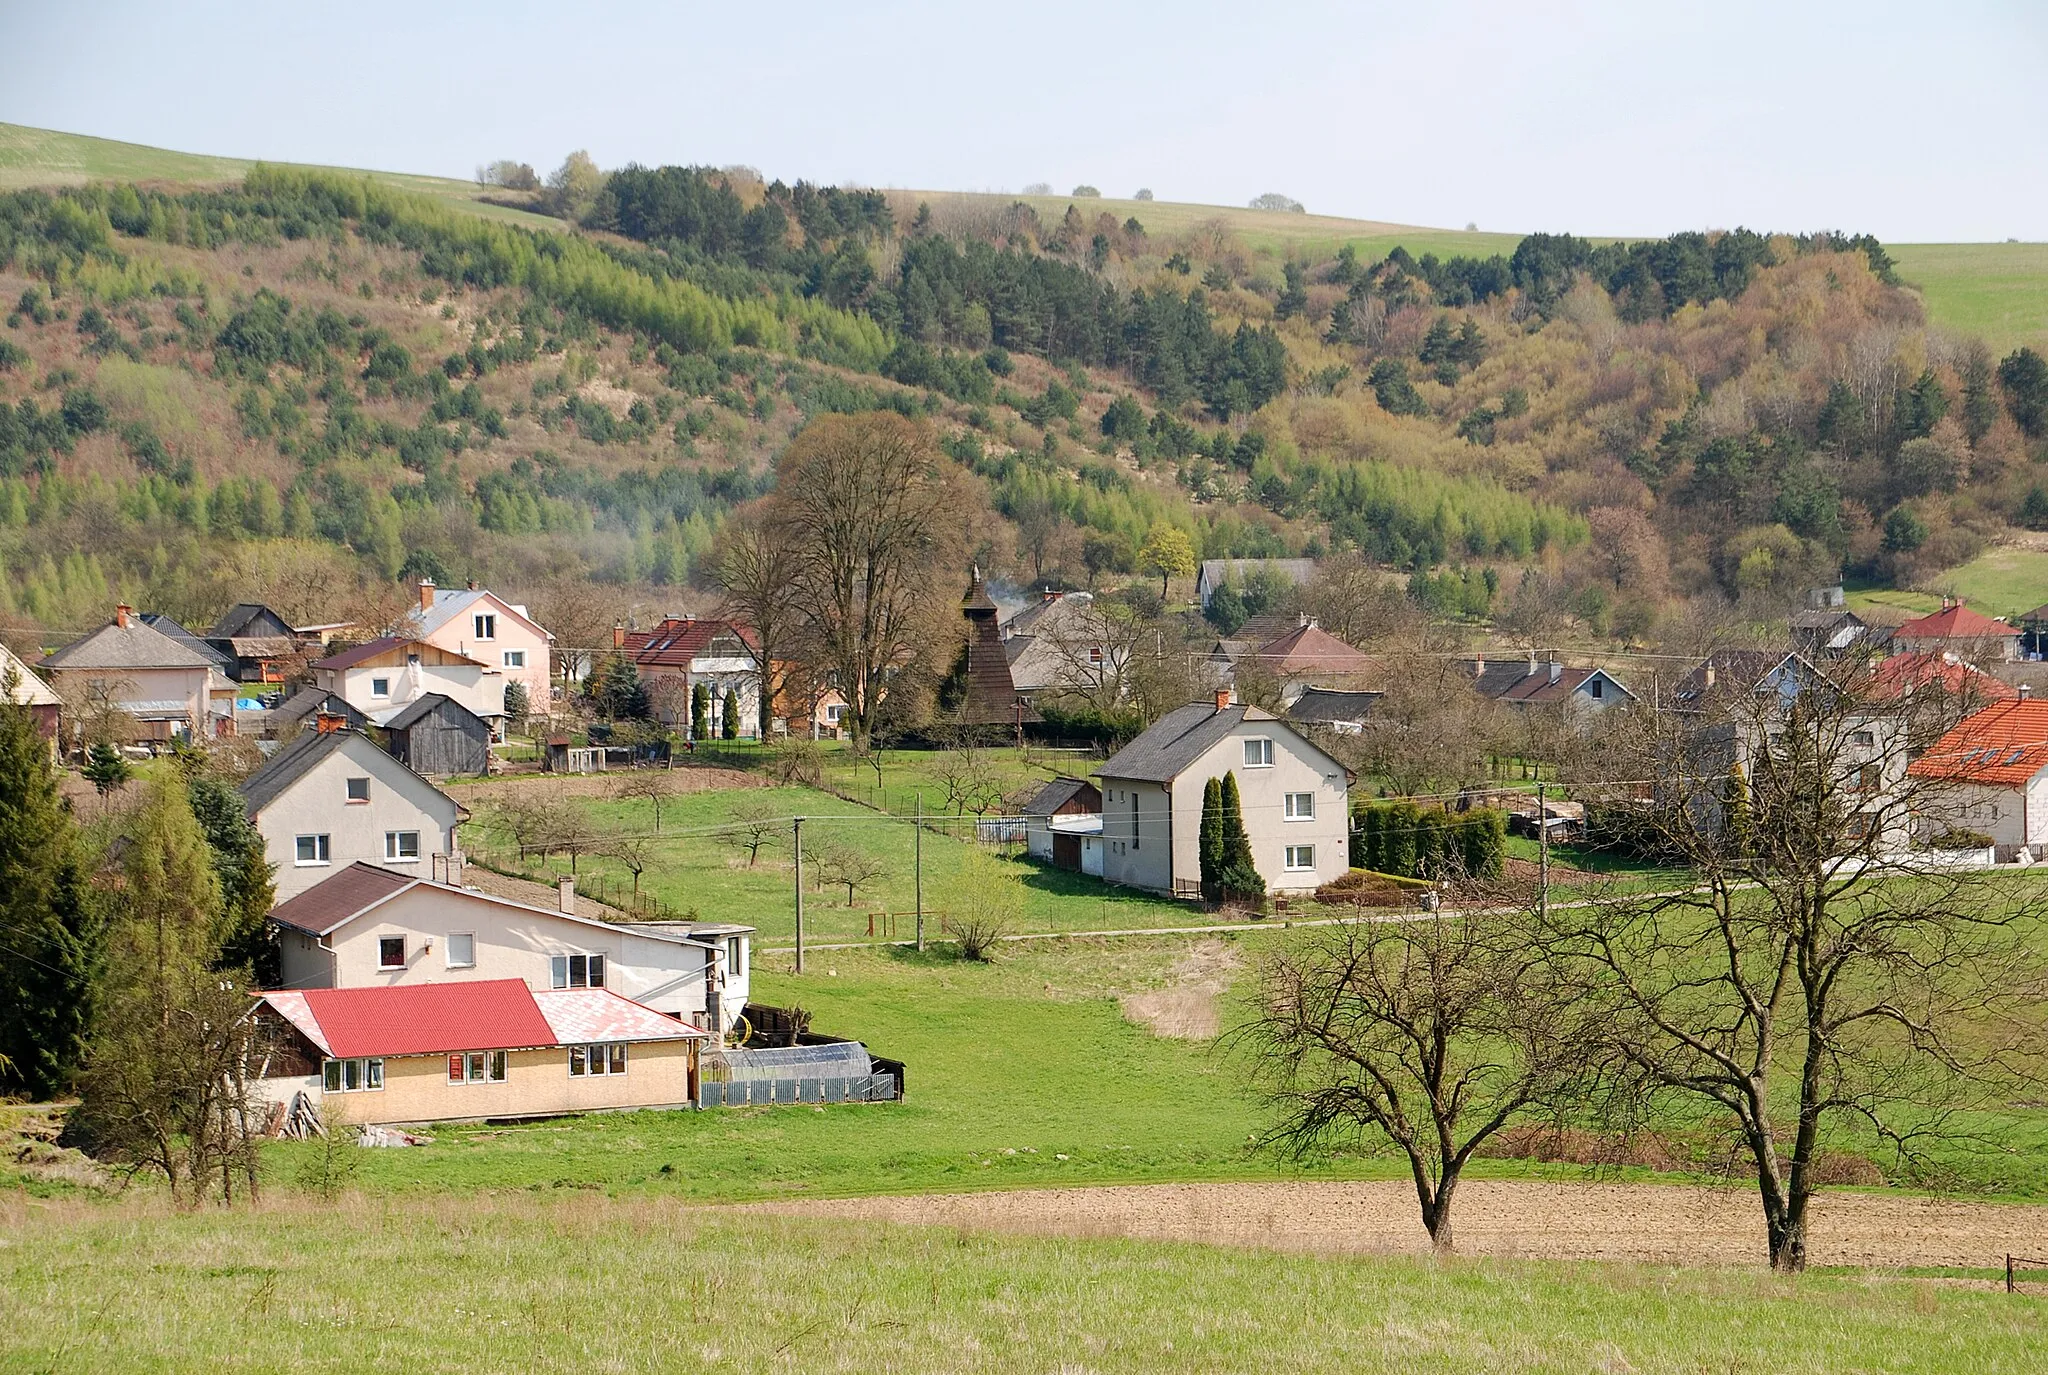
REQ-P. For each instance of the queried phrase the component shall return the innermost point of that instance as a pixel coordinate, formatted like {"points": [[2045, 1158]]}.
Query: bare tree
{"points": [[1431, 1034], [755, 567], [755, 826], [1432, 731], [983, 905], [1827, 968], [1358, 602], [1096, 648], [652, 786], [632, 851], [847, 865], [865, 509], [966, 772]]}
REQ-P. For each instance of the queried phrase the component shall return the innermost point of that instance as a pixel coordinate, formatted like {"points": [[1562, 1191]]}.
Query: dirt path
{"points": [[1652, 1223]]}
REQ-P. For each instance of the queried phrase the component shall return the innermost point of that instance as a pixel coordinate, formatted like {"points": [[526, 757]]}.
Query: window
{"points": [[477, 1067], [402, 846], [736, 957], [1301, 806], [359, 790], [607, 1058], [1864, 738], [1301, 857], [461, 949], [1867, 778], [1258, 754], [310, 850], [833, 713], [486, 627], [1595, 688], [353, 1076], [380, 687], [578, 971], [391, 952], [515, 658], [1136, 838], [1095, 654]]}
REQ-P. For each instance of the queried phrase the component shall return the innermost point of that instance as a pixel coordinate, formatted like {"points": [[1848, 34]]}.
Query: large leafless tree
{"points": [[755, 567]]}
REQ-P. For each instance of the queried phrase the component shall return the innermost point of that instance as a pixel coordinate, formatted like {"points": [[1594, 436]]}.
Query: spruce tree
{"points": [[49, 932], [247, 892], [1209, 846], [729, 709], [1239, 877]]}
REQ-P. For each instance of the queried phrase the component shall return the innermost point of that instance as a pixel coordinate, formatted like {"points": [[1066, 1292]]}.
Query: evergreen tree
{"points": [[1209, 845], [729, 712], [2024, 375], [105, 769], [616, 689], [49, 932], [700, 712], [1737, 823], [1239, 877], [247, 892]]}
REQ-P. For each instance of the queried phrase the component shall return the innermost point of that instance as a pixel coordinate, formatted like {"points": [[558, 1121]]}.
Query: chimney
{"points": [[426, 594], [1301, 621], [123, 614], [1478, 669], [1222, 699], [1047, 594], [1556, 669], [619, 635], [1710, 673], [329, 722], [565, 894], [455, 868], [472, 584], [2026, 691]]}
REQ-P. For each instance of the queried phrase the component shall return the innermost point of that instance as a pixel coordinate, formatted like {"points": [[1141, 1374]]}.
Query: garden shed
{"points": [[438, 736]]}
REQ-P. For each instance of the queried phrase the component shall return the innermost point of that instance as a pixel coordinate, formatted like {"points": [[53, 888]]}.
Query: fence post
{"points": [[2008, 1275]]}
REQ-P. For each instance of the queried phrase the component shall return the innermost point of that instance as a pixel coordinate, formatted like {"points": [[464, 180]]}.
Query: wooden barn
{"points": [[438, 736]]}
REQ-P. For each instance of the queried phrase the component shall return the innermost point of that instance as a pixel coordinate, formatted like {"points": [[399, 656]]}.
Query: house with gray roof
{"points": [[476, 623], [332, 797], [1295, 800], [131, 671]]}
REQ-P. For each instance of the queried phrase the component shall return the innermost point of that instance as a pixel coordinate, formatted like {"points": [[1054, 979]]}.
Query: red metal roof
{"points": [[2004, 745], [428, 1019], [1902, 674], [680, 639], [1953, 622]]}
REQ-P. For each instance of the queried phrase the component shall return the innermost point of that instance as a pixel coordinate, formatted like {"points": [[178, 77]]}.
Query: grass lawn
{"points": [[2003, 581], [1996, 290], [591, 1284]]}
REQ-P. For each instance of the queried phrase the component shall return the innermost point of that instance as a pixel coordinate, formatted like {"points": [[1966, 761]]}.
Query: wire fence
{"points": [[603, 889]]}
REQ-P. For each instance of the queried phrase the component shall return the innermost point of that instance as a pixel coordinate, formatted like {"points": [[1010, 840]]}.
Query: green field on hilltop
{"points": [[590, 1284], [2008, 580], [1998, 291]]}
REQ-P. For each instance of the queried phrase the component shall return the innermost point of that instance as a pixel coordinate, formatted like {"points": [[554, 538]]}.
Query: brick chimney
{"points": [[565, 894], [426, 594], [329, 722], [123, 614], [472, 584], [1223, 699], [619, 635]]}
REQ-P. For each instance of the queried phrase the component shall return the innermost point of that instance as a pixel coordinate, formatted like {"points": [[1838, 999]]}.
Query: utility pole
{"points": [[1542, 862], [917, 865], [797, 849]]}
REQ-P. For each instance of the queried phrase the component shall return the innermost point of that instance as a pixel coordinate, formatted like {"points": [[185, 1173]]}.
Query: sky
{"points": [[1918, 123]]}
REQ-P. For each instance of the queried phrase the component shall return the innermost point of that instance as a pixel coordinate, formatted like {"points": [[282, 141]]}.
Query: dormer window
{"points": [[486, 627]]}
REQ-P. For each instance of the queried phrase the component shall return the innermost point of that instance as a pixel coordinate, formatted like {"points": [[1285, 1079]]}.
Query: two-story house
{"points": [[331, 797], [1295, 800], [1990, 774], [478, 624], [369, 926], [384, 677], [686, 652], [131, 672]]}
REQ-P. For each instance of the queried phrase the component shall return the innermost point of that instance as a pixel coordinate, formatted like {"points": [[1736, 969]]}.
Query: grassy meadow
{"points": [[592, 1284], [2006, 580]]}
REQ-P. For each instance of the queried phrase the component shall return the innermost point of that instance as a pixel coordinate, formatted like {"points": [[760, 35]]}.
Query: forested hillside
{"points": [[307, 385]]}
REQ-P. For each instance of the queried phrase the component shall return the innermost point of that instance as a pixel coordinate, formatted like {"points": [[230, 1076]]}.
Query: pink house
{"points": [[479, 624]]}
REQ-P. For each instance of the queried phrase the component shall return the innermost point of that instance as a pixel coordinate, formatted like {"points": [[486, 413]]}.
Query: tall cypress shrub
{"points": [[50, 939], [1239, 877], [700, 712], [1209, 839], [1400, 839], [1484, 837]]}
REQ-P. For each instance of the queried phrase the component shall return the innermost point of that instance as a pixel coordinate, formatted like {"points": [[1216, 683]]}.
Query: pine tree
{"points": [[105, 769], [247, 893], [729, 711], [1239, 877], [49, 932], [1209, 845]]}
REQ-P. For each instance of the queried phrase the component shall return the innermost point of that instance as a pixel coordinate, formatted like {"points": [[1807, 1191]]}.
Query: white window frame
{"points": [[1258, 752], [380, 687], [1295, 861], [323, 851], [368, 1072], [466, 1067], [382, 963], [349, 791], [394, 847], [485, 624], [600, 1059], [736, 957], [515, 658], [448, 950], [562, 971], [1301, 806]]}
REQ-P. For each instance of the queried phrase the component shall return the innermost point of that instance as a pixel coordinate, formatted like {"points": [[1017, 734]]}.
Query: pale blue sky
{"points": [[1916, 122]]}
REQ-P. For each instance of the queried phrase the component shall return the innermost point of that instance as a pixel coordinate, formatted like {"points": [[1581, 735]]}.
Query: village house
{"points": [[23, 688], [478, 624], [455, 1052], [129, 672], [1059, 643], [1902, 675], [1990, 774], [1063, 825], [1295, 800], [1825, 628], [332, 797], [1333, 709], [1214, 573], [261, 645], [299, 710], [384, 677], [370, 926], [685, 652], [1955, 629], [1546, 683]]}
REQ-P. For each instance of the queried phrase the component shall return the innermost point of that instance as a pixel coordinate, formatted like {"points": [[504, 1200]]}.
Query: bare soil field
{"points": [[1645, 1223]]}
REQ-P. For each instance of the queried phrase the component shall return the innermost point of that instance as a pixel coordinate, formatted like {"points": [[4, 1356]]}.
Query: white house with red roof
{"points": [[1955, 629], [684, 652], [450, 1052], [1995, 763], [1902, 675], [369, 926]]}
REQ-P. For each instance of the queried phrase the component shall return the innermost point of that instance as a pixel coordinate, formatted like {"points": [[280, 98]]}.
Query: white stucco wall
{"points": [[318, 804], [480, 689]]}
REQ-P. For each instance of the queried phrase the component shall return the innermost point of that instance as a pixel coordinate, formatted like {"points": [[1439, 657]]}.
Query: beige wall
{"points": [[512, 633], [538, 1083], [318, 802], [480, 689], [126, 685], [1135, 831], [511, 942]]}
